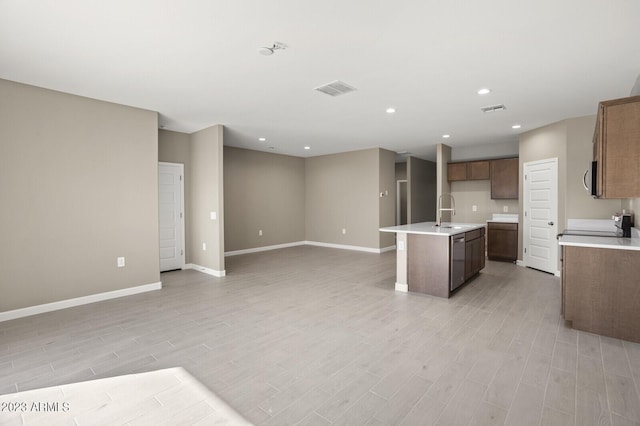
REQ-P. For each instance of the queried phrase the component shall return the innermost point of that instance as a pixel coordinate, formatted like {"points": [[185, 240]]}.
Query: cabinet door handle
{"points": [[550, 223], [584, 180]]}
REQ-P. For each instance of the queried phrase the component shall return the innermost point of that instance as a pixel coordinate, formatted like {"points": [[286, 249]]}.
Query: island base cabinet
{"points": [[428, 264], [429, 261], [600, 291]]}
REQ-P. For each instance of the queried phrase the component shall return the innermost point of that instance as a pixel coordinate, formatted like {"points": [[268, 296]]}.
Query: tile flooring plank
{"points": [[288, 322]]}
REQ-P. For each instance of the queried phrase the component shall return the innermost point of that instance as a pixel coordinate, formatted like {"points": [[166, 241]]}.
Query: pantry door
{"points": [[540, 216]]}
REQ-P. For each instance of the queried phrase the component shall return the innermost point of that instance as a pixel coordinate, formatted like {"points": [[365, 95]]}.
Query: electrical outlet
{"points": [[344, 231], [204, 246], [260, 233], [505, 209], [213, 215], [474, 208], [400, 245], [120, 262]]}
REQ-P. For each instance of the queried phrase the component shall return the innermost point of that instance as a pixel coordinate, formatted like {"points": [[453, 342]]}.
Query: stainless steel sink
{"points": [[451, 226]]}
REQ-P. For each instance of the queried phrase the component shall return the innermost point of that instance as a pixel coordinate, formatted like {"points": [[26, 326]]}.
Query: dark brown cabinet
{"points": [[478, 170], [470, 170], [474, 253], [456, 171], [504, 178], [502, 241], [600, 291], [617, 148], [429, 265]]}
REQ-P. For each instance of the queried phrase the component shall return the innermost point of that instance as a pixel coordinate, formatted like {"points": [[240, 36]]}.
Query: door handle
{"points": [[584, 180], [550, 223]]}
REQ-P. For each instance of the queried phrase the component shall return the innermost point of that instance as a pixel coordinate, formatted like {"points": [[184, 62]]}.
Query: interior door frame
{"points": [[525, 209], [183, 252]]}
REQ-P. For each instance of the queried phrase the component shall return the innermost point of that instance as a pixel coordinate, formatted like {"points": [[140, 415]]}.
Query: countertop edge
{"points": [[449, 232], [580, 241]]}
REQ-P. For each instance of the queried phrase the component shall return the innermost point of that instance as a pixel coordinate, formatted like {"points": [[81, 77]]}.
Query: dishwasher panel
{"points": [[458, 251]]}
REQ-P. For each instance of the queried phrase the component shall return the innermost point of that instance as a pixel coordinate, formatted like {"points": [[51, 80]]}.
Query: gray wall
{"points": [[421, 190], [207, 189], [174, 147], [387, 204], [571, 142], [79, 189], [342, 192], [262, 191], [477, 193], [479, 152]]}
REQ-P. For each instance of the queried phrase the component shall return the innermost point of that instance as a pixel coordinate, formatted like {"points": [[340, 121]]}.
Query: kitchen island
{"points": [[437, 260]]}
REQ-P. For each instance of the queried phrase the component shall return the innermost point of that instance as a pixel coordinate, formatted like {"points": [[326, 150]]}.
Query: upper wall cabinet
{"points": [[617, 148], [504, 178], [470, 170]]}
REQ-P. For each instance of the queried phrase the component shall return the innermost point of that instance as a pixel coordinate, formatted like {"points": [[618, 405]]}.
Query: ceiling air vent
{"points": [[493, 108], [335, 88]]}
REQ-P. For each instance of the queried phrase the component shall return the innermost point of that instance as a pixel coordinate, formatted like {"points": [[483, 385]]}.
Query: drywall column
{"points": [[387, 203], [207, 205], [443, 157]]}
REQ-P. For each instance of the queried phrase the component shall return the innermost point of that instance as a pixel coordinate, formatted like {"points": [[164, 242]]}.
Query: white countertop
{"points": [[620, 243], [504, 217], [429, 228]]}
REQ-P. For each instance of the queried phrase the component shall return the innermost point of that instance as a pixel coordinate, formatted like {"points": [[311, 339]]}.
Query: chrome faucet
{"points": [[440, 209]]}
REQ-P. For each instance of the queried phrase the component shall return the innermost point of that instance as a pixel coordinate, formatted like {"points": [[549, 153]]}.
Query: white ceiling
{"points": [[196, 63]]}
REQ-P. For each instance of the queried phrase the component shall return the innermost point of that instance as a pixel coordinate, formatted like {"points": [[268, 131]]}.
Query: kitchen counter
{"points": [[632, 243], [503, 218], [429, 228]]}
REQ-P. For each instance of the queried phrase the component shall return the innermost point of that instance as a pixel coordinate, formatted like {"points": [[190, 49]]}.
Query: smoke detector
{"points": [[268, 51]]}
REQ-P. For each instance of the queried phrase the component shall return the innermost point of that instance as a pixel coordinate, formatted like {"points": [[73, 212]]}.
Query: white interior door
{"points": [[540, 219], [171, 211]]}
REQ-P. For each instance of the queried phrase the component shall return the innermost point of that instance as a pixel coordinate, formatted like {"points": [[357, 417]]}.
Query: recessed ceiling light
{"points": [[516, 126], [484, 91], [262, 139], [391, 110], [307, 147], [446, 136]]}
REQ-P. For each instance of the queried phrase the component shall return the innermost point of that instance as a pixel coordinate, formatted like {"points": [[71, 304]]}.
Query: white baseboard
{"points": [[302, 243], [264, 248], [347, 247], [521, 263], [84, 300], [402, 287], [205, 270]]}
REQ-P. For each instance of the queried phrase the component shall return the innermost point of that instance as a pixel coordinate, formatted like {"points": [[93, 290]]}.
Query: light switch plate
{"points": [[474, 208], [213, 215], [505, 209], [400, 245], [120, 262]]}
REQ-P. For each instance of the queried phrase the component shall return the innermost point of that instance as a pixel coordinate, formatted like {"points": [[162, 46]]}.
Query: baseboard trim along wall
{"points": [[205, 270], [264, 248], [309, 243], [402, 287], [84, 300], [347, 247]]}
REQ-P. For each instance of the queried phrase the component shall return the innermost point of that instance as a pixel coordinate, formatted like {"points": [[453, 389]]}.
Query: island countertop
{"points": [[429, 228]]}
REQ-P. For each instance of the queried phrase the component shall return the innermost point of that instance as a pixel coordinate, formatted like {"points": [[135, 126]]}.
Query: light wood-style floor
{"points": [[318, 336]]}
